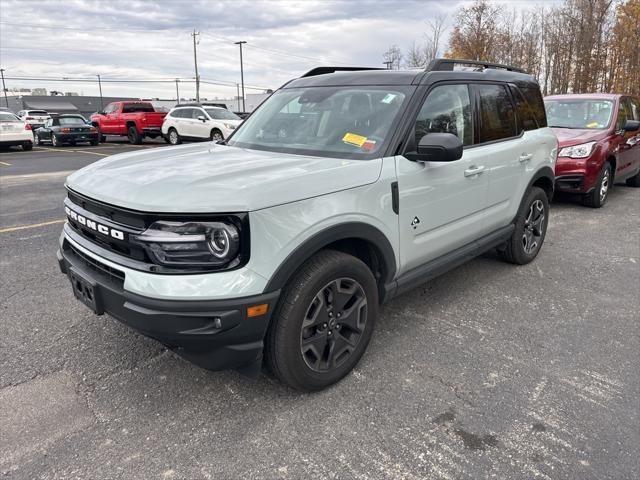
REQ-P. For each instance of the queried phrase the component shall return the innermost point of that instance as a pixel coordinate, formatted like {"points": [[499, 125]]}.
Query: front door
{"points": [[628, 142], [441, 203]]}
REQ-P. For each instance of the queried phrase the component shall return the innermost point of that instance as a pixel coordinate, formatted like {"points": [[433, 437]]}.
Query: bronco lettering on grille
{"points": [[103, 229]]}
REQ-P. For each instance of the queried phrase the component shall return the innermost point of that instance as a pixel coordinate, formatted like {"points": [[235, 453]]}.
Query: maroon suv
{"points": [[599, 143]]}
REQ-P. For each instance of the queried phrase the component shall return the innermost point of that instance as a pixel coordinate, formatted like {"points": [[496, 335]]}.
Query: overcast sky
{"points": [[151, 40]]}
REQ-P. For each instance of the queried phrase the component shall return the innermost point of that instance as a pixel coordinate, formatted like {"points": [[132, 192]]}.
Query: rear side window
{"points": [[447, 109], [533, 96], [497, 116], [525, 117], [137, 107]]}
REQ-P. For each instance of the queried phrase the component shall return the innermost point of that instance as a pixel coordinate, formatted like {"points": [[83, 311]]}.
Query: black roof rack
{"points": [[447, 64], [323, 70]]}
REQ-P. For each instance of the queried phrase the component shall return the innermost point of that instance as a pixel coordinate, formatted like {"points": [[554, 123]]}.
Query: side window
{"points": [[497, 117], [635, 108], [624, 113], [447, 109], [197, 112], [524, 113], [180, 113], [532, 95], [110, 108]]}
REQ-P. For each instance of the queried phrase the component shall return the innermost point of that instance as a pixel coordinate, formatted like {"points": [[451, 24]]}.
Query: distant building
{"points": [[84, 105]]}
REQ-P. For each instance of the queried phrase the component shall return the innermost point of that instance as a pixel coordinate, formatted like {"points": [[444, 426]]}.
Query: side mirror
{"points": [[438, 147], [631, 126], [202, 118]]}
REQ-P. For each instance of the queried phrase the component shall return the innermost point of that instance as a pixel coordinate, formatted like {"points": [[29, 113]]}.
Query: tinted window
{"points": [[137, 107], [635, 108], [579, 112], [447, 109], [533, 97], [624, 113], [497, 118], [179, 113], [524, 113], [221, 114], [39, 113], [72, 121]]}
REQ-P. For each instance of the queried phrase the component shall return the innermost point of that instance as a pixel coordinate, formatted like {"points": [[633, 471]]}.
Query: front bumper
{"points": [[577, 175], [214, 334]]}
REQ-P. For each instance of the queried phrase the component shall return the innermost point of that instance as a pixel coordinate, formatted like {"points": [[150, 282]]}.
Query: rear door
{"points": [[628, 149], [442, 204]]}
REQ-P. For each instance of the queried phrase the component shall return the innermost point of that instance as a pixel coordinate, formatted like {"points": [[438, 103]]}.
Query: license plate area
{"points": [[87, 291]]}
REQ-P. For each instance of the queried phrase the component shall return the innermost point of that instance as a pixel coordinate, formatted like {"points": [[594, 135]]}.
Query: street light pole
{"points": [[195, 61], [4, 89], [177, 92], [238, 95], [242, 74], [100, 87]]}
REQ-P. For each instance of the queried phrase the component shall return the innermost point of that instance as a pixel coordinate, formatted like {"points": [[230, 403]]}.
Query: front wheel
{"points": [[216, 135], [134, 136], [530, 229], [54, 141], [323, 323], [598, 196]]}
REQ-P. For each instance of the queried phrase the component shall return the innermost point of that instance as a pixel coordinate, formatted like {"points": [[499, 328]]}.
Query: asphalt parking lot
{"points": [[491, 371]]}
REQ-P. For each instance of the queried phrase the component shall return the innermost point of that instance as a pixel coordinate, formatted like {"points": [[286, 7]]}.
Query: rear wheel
{"points": [[133, 135], [103, 138], [54, 141], [95, 141], [530, 229], [323, 323], [216, 135], [598, 196], [174, 137], [27, 146]]}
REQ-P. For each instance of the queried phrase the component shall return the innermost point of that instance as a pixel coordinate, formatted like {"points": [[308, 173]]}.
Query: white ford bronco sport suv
{"points": [[348, 186]]}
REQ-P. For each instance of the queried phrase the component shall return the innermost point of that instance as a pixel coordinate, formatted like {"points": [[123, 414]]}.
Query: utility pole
{"points": [[195, 61], [388, 63], [177, 92], [242, 74], [238, 96], [4, 89], [100, 87]]}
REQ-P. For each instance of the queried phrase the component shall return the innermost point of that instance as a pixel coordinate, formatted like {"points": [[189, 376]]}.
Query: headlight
{"points": [[578, 151], [230, 126], [191, 244]]}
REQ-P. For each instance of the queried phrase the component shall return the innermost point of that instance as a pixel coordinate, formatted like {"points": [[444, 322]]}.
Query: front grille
{"points": [[114, 275]]}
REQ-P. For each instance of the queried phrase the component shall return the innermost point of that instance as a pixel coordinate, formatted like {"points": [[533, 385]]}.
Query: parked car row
{"points": [[14, 131]]}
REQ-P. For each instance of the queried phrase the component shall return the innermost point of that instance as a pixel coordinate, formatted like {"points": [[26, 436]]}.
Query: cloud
{"points": [[144, 39]]}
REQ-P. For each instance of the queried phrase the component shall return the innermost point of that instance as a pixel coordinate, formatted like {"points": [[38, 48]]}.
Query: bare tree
{"points": [[415, 57], [393, 57], [435, 29]]}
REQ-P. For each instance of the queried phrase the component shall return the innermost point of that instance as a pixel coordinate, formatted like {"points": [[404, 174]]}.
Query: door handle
{"points": [[471, 171], [525, 157]]}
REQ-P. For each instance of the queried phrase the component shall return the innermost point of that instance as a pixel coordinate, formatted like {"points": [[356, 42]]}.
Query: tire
{"points": [[530, 229], [598, 196], [300, 345], [27, 146], [216, 135], [55, 142], [133, 135], [174, 137], [103, 138], [95, 142], [634, 181]]}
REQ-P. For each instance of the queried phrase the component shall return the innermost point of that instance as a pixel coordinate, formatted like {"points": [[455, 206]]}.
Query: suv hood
{"points": [[206, 177], [575, 136]]}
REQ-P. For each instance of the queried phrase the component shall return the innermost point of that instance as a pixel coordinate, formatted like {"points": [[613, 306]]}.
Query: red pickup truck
{"points": [[133, 119]]}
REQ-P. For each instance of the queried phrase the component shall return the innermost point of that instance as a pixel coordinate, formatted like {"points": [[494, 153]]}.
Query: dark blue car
{"points": [[69, 129]]}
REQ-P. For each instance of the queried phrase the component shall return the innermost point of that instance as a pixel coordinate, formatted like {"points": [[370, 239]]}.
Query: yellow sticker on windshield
{"points": [[592, 125], [354, 139]]}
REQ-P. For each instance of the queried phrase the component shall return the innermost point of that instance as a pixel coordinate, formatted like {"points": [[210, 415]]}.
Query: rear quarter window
{"points": [[525, 117], [533, 97]]}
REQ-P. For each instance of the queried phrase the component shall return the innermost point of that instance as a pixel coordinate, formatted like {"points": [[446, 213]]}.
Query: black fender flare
{"points": [[544, 172], [356, 230]]}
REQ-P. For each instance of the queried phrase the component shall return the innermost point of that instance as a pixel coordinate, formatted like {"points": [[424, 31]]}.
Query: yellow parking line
{"points": [[5, 163], [35, 225], [92, 153]]}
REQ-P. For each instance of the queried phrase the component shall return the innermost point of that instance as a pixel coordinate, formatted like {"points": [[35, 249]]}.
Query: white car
{"points": [[198, 122], [14, 131], [35, 118]]}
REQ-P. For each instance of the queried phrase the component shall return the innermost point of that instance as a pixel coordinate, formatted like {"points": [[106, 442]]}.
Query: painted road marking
{"points": [[34, 225], [93, 153], [13, 180], [5, 163]]}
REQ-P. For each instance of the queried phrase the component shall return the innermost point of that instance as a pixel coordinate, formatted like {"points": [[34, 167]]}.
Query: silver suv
{"points": [[348, 186]]}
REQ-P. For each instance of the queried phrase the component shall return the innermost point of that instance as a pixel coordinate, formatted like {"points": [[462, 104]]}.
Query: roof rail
{"points": [[447, 64], [323, 70]]}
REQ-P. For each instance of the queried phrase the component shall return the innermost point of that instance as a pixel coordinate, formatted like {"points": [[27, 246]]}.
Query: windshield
{"points": [[342, 122], [72, 121], [221, 114], [8, 117], [579, 113]]}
